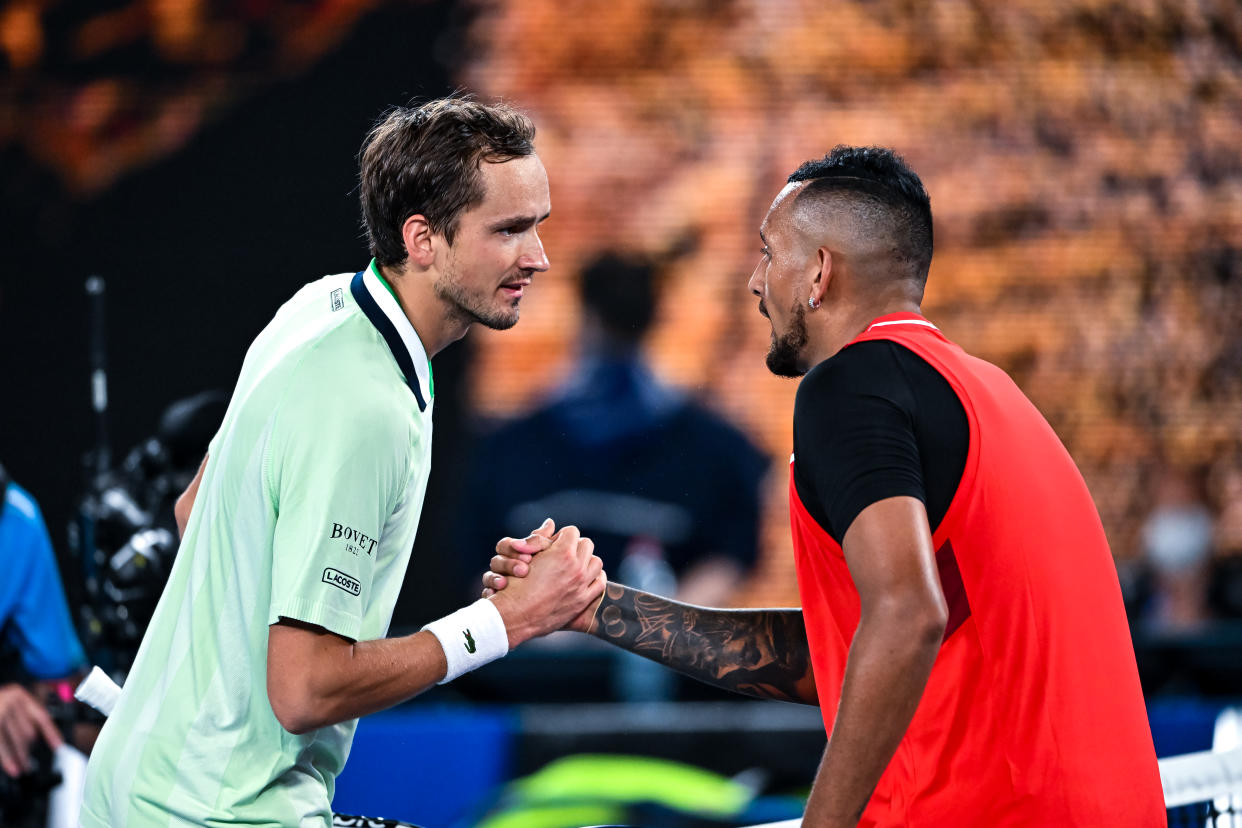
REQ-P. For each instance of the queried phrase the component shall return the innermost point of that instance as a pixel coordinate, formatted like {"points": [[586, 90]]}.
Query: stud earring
{"points": [[813, 303]]}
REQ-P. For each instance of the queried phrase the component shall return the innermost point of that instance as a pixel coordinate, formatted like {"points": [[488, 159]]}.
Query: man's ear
{"points": [[419, 240], [822, 277]]}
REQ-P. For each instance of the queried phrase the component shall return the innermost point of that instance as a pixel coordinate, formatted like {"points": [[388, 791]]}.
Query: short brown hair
{"points": [[426, 160]]}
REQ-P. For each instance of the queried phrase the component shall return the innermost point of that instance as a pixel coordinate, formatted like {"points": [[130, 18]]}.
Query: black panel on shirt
{"points": [[872, 422]]}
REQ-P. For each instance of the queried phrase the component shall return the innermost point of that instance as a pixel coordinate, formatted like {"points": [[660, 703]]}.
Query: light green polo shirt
{"points": [[307, 510]]}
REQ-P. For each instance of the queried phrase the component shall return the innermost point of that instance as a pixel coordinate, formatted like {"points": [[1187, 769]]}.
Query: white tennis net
{"points": [[1201, 790]]}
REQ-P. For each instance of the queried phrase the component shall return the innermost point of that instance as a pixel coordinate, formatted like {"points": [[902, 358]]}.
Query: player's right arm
{"points": [[317, 678], [342, 454], [755, 652]]}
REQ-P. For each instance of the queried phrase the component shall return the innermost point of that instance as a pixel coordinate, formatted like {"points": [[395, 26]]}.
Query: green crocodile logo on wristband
{"points": [[470, 647]]}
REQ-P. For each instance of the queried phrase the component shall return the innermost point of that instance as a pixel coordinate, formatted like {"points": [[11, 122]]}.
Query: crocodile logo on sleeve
{"points": [[470, 645]]}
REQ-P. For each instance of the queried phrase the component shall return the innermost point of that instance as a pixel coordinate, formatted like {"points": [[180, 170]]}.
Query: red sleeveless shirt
{"points": [[1033, 714]]}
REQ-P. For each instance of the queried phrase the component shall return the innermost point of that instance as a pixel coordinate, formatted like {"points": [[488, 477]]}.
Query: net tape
{"points": [[1201, 777]]}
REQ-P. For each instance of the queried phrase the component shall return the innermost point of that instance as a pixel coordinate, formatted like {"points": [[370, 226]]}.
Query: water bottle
{"points": [[637, 679]]}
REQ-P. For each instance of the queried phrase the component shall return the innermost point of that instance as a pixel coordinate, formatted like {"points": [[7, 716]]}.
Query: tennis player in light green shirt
{"points": [[269, 640]]}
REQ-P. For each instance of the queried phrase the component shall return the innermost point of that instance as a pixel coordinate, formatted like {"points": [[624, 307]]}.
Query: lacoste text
{"points": [[341, 580]]}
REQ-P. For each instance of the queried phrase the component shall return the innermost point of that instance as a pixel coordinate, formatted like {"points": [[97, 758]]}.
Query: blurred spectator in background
{"points": [[1177, 548], [41, 654], [1229, 525], [668, 490], [1184, 588], [649, 474], [1189, 571], [1225, 485]]}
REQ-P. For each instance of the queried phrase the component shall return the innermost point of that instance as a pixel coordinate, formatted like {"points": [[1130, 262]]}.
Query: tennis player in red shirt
{"points": [[962, 625]]}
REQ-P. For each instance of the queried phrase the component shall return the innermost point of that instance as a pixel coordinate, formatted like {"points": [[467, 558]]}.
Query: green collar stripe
{"points": [[375, 269]]}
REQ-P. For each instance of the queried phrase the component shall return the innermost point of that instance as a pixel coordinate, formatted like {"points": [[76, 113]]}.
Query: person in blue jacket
{"points": [[35, 624]]}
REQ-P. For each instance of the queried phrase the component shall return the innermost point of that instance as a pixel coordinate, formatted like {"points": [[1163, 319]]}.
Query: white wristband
{"points": [[470, 637]]}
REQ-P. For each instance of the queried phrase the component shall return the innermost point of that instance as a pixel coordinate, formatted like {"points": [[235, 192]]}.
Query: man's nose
{"points": [[755, 283], [534, 257]]}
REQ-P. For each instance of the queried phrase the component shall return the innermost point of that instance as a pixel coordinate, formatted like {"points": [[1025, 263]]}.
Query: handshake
{"points": [[545, 582]]}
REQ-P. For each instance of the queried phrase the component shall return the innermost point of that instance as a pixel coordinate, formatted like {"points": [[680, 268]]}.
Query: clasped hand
{"points": [[515, 561]]}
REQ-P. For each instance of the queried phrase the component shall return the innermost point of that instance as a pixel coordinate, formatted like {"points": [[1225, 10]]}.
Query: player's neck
{"points": [[418, 300], [841, 326]]}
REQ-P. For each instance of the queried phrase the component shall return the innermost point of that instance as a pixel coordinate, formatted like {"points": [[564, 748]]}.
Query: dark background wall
{"points": [[199, 251]]}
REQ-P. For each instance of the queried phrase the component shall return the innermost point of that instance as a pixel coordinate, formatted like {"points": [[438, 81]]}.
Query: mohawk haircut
{"points": [[884, 191]]}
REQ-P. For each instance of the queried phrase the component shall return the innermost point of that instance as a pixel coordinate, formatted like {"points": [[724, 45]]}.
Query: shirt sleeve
{"points": [[337, 465], [41, 627], [854, 437]]}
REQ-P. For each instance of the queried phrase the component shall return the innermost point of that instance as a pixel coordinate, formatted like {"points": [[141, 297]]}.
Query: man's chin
{"points": [[499, 320], [784, 363]]}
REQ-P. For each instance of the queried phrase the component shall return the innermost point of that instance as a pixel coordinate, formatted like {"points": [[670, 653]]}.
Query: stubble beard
{"points": [[470, 308], [785, 354]]}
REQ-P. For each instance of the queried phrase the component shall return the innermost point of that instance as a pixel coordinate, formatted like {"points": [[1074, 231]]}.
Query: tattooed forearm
{"points": [[760, 653]]}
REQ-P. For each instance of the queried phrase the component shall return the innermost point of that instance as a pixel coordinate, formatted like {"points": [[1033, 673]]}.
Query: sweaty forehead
{"points": [[780, 214]]}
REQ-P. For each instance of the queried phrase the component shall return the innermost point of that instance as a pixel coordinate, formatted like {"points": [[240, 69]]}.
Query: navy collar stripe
{"points": [[384, 325]]}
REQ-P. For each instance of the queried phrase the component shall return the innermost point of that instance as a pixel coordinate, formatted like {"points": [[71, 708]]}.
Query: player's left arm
{"points": [[185, 503], [888, 549]]}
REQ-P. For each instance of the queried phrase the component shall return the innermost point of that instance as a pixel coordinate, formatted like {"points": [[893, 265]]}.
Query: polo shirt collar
{"points": [[377, 301], [900, 318]]}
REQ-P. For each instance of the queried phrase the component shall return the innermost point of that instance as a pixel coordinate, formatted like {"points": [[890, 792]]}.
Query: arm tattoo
{"points": [[761, 653]]}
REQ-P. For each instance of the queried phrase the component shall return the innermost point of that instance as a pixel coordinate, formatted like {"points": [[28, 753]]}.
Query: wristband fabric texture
{"points": [[470, 637]]}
